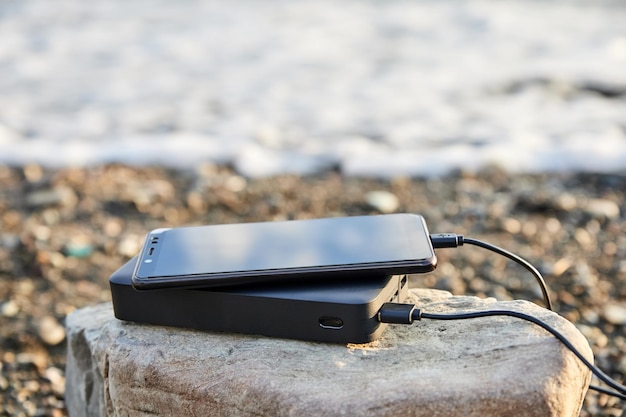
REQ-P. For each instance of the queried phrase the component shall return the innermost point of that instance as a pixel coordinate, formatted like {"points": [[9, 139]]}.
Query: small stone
{"points": [[36, 359], [4, 383], [10, 309], [33, 173], [235, 183], [565, 202], [195, 201], [561, 266], [42, 198], [113, 227], [602, 208], [553, 225], [383, 201], [51, 331], [511, 225], [590, 315], [585, 275], [9, 241], [594, 335], [57, 380], [149, 192], [129, 245], [78, 249], [583, 237], [615, 314]]}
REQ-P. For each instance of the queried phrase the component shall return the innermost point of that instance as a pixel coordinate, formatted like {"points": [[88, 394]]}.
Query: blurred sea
{"points": [[375, 88]]}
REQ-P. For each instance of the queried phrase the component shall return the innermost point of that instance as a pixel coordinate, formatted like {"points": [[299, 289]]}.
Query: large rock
{"points": [[496, 366]]}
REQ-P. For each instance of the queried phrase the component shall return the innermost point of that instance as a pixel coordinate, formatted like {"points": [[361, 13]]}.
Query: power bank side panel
{"points": [[291, 317], [225, 312]]}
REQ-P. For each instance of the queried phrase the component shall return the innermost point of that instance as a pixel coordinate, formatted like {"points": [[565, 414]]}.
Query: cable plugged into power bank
{"points": [[400, 313]]}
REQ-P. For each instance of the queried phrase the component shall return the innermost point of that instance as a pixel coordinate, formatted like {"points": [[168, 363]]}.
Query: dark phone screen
{"points": [[283, 245]]}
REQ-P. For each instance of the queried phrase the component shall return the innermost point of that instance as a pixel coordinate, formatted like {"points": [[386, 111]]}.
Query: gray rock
{"points": [[498, 366]]}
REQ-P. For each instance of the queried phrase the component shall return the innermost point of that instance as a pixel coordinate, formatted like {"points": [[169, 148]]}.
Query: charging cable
{"points": [[452, 240], [399, 313]]}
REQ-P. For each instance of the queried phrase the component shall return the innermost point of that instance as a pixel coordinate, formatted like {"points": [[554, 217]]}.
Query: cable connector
{"points": [[446, 240], [398, 313], [452, 240]]}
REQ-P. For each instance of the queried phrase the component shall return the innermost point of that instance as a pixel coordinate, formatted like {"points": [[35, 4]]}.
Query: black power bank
{"points": [[336, 312]]}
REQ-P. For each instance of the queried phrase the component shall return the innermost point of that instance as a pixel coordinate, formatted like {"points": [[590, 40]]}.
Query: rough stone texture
{"points": [[497, 366]]}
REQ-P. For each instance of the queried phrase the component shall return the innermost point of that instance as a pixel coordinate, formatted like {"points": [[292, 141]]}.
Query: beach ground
{"points": [[64, 231]]}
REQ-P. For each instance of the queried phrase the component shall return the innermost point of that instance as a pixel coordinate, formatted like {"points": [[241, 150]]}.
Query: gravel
{"points": [[64, 231]]}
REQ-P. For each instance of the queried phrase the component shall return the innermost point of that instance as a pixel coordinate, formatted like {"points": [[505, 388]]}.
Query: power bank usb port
{"points": [[333, 323]]}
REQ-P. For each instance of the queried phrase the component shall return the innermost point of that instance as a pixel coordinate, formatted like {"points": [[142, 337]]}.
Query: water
{"points": [[374, 88]]}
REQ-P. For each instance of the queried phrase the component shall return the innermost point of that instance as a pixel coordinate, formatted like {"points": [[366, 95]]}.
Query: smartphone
{"points": [[248, 253]]}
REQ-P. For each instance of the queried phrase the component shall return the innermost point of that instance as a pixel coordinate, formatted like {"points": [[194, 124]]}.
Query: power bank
{"points": [[336, 312]]}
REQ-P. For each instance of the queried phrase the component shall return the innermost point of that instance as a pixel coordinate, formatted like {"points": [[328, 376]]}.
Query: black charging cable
{"points": [[399, 313], [452, 240]]}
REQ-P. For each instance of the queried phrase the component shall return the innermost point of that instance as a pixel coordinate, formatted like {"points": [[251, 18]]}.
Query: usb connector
{"points": [[452, 240], [446, 240], [398, 313]]}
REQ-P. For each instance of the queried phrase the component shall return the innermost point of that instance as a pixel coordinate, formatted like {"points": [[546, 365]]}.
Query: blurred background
{"points": [[504, 121], [374, 88]]}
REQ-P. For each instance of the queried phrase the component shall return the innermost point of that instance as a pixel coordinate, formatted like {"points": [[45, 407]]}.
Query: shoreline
{"points": [[63, 231]]}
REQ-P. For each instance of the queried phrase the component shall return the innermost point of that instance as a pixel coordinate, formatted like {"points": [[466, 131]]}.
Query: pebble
{"points": [[566, 202], [511, 225], [130, 245], [35, 359], [594, 335], [113, 227], [615, 314], [10, 309], [561, 266], [33, 173], [235, 183], [383, 201], [602, 208], [64, 196], [585, 275], [9, 241], [51, 331], [583, 237], [57, 380], [78, 249]]}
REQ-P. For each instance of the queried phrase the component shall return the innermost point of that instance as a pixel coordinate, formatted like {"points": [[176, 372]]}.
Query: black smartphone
{"points": [[246, 253]]}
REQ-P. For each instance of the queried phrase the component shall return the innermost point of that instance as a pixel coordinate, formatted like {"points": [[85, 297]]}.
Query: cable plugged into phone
{"points": [[408, 313], [452, 240], [400, 313]]}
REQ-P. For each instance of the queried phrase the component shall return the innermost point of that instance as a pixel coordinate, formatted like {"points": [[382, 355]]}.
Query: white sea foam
{"points": [[374, 88]]}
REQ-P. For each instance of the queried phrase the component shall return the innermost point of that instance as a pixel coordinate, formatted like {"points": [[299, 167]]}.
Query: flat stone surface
{"points": [[496, 366]]}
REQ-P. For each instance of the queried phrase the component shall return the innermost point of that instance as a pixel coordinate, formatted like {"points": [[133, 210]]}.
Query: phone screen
{"points": [[285, 245]]}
